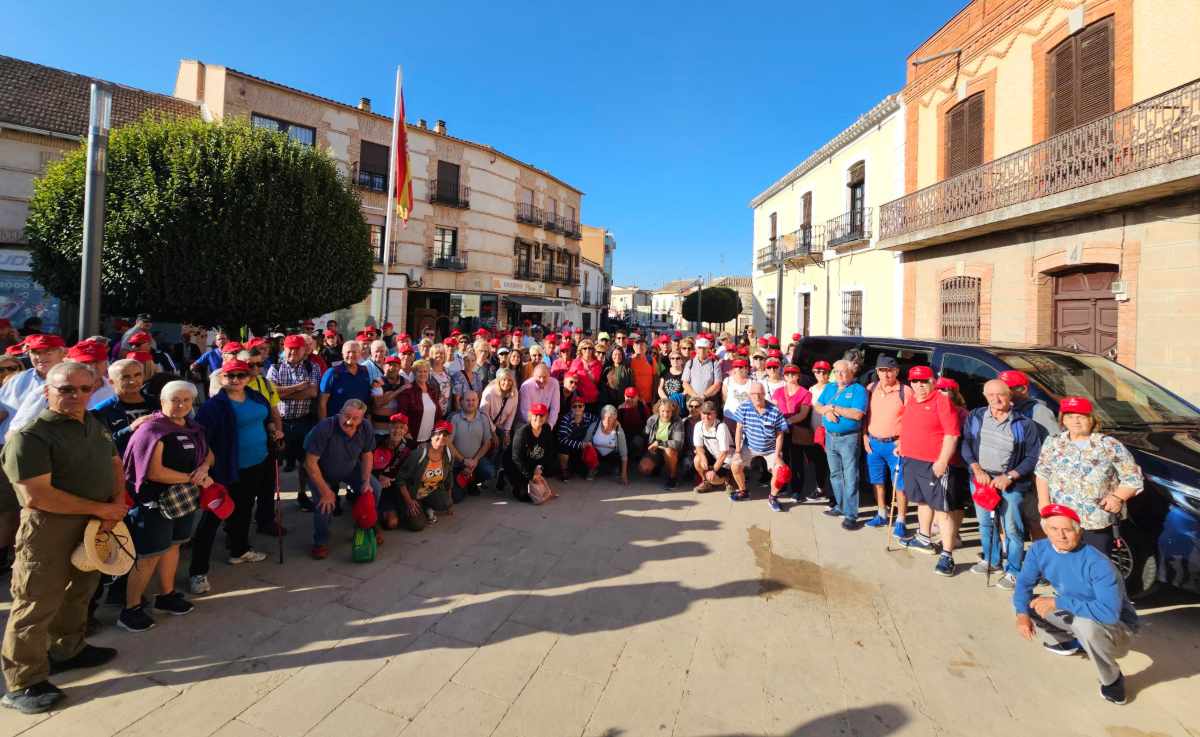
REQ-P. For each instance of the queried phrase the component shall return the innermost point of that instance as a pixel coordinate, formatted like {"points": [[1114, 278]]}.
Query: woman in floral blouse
{"points": [[1087, 471]]}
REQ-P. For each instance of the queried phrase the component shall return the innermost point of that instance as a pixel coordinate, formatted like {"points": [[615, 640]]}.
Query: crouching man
{"points": [[1089, 610]]}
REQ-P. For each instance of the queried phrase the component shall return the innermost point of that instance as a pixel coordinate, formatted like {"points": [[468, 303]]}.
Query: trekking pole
{"points": [[278, 514], [995, 537], [892, 510]]}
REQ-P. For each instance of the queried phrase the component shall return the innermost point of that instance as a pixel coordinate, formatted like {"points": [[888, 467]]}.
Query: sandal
{"points": [[739, 496]]}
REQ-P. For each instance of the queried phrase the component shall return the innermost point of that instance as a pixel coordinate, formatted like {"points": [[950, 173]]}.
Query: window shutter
{"points": [[1062, 86], [806, 203], [373, 158], [974, 130], [956, 134], [1095, 99]]}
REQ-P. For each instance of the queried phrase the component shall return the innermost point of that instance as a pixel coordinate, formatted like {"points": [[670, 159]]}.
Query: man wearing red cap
{"points": [[297, 379], [1027, 406], [45, 352], [1089, 610], [929, 434]]}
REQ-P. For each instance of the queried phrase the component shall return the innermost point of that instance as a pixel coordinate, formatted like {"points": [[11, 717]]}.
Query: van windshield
{"points": [[1121, 397]]}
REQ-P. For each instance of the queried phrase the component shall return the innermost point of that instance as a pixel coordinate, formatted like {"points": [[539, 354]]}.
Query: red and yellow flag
{"points": [[402, 171]]}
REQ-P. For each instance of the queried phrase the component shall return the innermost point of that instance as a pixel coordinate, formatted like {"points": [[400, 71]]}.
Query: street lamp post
{"points": [[700, 303], [100, 118]]}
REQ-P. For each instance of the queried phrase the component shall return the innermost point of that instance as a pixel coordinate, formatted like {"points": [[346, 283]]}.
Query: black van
{"points": [[1161, 430]]}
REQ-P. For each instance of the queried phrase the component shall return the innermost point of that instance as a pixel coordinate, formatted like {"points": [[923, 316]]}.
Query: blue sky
{"points": [[669, 116]]}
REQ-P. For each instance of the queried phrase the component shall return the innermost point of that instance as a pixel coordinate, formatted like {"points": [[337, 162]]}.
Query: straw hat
{"points": [[108, 552]]}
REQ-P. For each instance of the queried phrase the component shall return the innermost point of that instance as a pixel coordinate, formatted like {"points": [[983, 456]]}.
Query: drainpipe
{"points": [[777, 318], [826, 270]]}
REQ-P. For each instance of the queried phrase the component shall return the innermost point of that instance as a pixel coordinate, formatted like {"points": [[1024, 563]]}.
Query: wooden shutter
{"points": [[373, 158], [806, 205], [1061, 84], [1095, 89], [974, 130], [447, 181], [964, 135]]}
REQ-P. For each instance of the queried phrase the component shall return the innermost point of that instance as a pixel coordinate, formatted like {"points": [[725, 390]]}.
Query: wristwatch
{"points": [[1012, 475]]}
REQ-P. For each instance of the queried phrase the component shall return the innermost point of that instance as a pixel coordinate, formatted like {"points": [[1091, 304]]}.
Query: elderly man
{"points": [[842, 405], [44, 351], [374, 362], [928, 439], [1089, 610], [1001, 448], [540, 388], [296, 379], [761, 428], [344, 381], [471, 445], [885, 404], [66, 469], [128, 408], [338, 451], [702, 375], [1025, 405], [714, 449]]}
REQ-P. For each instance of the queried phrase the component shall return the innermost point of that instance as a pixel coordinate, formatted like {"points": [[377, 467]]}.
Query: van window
{"points": [[819, 349], [971, 374], [906, 357]]}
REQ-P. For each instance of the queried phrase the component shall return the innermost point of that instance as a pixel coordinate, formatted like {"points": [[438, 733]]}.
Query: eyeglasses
{"points": [[919, 381], [239, 376], [70, 390], [254, 365], [820, 371]]}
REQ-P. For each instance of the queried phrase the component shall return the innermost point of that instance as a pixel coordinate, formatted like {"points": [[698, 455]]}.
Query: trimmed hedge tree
{"points": [[717, 304], [210, 224]]}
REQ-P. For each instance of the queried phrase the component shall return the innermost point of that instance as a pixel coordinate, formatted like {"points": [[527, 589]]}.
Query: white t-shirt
{"points": [[605, 442], [428, 410], [736, 395], [771, 387], [715, 440]]}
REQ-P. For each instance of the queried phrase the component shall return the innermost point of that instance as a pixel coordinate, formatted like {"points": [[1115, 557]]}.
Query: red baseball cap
{"points": [[762, 340], [294, 341], [565, 345], [399, 417], [88, 351], [678, 335], [443, 426], [330, 333], [232, 347], [15, 349], [255, 343], [139, 338], [43, 341], [773, 340], [791, 368], [796, 337], [741, 363], [946, 383], [450, 341], [1013, 378], [388, 326], [140, 356], [822, 365], [775, 353], [1058, 510], [920, 373], [215, 498], [773, 363], [455, 332], [630, 391], [579, 331], [516, 332], [1075, 406], [392, 359], [404, 349], [537, 408], [482, 333], [494, 342], [233, 364], [402, 336]]}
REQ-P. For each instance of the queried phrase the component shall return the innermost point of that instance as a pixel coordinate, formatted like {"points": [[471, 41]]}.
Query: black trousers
{"points": [[251, 481], [820, 463]]}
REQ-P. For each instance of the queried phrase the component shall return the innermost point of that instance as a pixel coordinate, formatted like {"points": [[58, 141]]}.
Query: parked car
{"points": [[1161, 534]]}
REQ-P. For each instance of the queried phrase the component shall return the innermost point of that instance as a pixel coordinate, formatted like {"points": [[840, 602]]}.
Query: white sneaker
{"points": [[199, 585], [430, 516], [250, 556]]}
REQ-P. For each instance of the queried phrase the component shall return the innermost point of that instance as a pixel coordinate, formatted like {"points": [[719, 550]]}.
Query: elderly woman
{"points": [[1092, 473], [617, 377], [389, 456], [236, 427], [419, 402], [573, 429], [165, 450], [664, 442], [440, 376], [534, 452], [735, 390], [122, 413], [484, 372], [499, 402], [795, 402], [588, 361], [608, 438]]}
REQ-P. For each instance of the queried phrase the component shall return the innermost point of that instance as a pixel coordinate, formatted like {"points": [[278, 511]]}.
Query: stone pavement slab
{"points": [[615, 611]]}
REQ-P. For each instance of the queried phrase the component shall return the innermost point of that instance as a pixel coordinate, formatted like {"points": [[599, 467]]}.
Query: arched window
{"points": [[960, 309]]}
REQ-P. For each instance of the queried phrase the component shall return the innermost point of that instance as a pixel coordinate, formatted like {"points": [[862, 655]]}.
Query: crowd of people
{"points": [[115, 429]]}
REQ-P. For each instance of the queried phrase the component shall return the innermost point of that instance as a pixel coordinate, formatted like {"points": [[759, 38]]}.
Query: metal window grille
{"points": [[960, 309], [852, 313]]}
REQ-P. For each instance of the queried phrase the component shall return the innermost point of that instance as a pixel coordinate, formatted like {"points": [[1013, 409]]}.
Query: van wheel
{"points": [[1138, 564]]}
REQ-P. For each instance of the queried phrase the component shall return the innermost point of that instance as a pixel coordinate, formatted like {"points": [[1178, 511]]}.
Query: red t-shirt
{"points": [[923, 425]]}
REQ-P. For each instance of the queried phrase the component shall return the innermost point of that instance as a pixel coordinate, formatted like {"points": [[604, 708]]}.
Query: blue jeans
{"points": [[842, 451], [321, 519], [485, 471], [1009, 511]]}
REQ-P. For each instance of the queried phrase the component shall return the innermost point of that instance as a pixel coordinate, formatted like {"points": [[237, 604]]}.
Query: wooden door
{"points": [[1085, 312]]}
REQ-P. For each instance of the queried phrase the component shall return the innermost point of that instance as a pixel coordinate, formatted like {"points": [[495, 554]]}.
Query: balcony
{"points": [[570, 228], [377, 251], [803, 243], [527, 213], [767, 257], [1093, 167], [561, 273], [849, 229], [551, 222], [449, 262], [371, 181], [449, 192], [528, 270]]}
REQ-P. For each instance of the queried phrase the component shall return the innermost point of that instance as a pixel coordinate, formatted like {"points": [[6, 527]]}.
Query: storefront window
{"points": [[22, 298]]}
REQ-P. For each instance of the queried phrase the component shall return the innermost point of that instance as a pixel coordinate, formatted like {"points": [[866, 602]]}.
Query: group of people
{"points": [[420, 425]]}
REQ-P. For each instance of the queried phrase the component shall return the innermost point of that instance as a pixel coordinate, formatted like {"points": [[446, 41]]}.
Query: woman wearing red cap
{"points": [[534, 452], [1090, 472]]}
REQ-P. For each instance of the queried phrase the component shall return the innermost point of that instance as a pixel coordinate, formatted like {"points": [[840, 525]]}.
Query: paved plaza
{"points": [[614, 611]]}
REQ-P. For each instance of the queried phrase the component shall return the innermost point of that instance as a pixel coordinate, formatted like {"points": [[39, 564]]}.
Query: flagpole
{"points": [[391, 203]]}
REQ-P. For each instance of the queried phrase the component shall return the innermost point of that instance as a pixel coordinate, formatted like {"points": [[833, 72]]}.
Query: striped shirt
{"points": [[286, 374], [760, 429]]}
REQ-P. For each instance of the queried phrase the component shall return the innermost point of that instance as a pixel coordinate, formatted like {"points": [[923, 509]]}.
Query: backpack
{"points": [[363, 549], [871, 392]]}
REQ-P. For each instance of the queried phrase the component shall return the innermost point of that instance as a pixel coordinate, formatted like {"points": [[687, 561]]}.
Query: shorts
{"points": [[768, 457], [945, 494], [712, 459], [153, 533], [882, 463]]}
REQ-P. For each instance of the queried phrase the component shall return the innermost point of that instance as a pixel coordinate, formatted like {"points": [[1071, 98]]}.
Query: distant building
{"points": [[631, 305], [667, 303], [598, 245], [592, 287]]}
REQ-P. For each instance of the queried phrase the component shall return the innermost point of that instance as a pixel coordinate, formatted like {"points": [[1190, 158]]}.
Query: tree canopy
{"points": [[210, 224], [717, 304]]}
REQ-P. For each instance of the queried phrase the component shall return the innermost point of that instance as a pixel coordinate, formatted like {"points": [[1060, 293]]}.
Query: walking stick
{"points": [[278, 514], [987, 559], [892, 508]]}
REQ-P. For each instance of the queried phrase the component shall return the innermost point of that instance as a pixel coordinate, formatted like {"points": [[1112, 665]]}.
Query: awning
{"points": [[534, 301]]}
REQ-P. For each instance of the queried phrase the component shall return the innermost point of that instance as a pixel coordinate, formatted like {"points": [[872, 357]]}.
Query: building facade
{"points": [[817, 268], [631, 305], [598, 246], [666, 304], [592, 288], [1052, 181], [491, 241], [43, 115]]}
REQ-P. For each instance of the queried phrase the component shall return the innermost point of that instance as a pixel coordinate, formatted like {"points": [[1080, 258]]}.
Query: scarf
{"points": [[140, 450]]}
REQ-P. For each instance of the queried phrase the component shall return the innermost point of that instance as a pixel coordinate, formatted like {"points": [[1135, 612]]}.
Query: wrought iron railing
{"points": [[1153, 132], [372, 181], [849, 227], [377, 250], [449, 192], [768, 256], [449, 261], [800, 242], [561, 273], [570, 228], [550, 221], [523, 268], [527, 213]]}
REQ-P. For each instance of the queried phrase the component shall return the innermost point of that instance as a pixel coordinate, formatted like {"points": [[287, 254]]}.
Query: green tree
{"points": [[211, 224], [716, 304]]}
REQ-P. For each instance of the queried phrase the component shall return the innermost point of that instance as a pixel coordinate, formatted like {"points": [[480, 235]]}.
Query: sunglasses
{"points": [[239, 376], [70, 390], [920, 381], [820, 371], [10, 369]]}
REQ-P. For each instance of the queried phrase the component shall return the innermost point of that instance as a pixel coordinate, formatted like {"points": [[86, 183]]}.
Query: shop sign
{"points": [[15, 259], [516, 285], [564, 292], [470, 306]]}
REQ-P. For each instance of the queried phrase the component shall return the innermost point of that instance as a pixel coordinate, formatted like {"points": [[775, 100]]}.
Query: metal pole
{"points": [[388, 226], [93, 209], [700, 304]]}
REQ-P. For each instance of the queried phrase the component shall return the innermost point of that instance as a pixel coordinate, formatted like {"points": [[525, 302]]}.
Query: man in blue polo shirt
{"points": [[344, 381], [841, 407]]}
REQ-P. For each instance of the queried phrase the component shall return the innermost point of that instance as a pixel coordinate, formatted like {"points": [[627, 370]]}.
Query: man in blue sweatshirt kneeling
{"points": [[1089, 610]]}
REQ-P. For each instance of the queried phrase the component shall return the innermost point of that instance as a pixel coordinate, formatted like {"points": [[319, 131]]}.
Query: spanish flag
{"points": [[402, 174]]}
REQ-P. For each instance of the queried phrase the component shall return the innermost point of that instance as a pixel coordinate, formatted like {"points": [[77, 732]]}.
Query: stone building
{"points": [[1052, 179], [491, 241]]}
